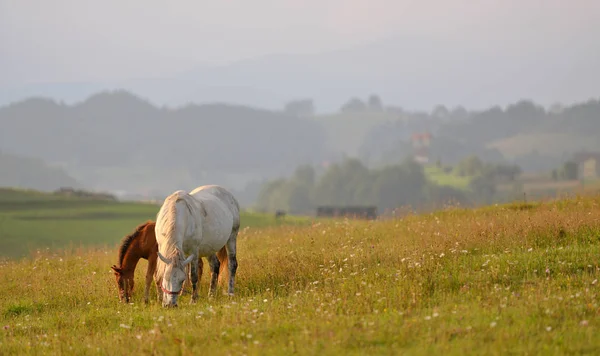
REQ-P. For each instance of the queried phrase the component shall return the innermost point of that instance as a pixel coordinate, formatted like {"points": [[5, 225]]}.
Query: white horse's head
{"points": [[173, 277]]}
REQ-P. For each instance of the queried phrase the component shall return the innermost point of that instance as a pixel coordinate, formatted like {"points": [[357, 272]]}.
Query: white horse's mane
{"points": [[167, 218]]}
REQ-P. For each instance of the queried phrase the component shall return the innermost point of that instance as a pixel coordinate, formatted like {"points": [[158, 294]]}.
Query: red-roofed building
{"points": [[421, 142]]}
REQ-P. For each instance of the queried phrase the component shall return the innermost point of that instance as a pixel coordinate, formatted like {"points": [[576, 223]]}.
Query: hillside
{"points": [[32, 173], [554, 144], [117, 141], [526, 117], [513, 279], [33, 220], [536, 138], [347, 131]]}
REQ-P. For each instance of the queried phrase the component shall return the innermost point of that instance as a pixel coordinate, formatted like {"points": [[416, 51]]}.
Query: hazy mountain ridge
{"points": [[415, 72], [120, 131], [32, 173], [117, 141], [524, 133]]}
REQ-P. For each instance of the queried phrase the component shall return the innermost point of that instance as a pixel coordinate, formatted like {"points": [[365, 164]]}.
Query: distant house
{"points": [[588, 165], [421, 143]]}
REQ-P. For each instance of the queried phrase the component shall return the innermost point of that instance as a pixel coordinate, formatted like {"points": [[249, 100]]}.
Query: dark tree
{"points": [[375, 103], [300, 108], [354, 105]]}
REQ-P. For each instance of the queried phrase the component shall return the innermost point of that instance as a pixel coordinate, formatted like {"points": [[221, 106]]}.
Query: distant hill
{"points": [[117, 141], [527, 117], [416, 72], [525, 133], [32, 173], [549, 144], [347, 131], [529, 134], [120, 143]]}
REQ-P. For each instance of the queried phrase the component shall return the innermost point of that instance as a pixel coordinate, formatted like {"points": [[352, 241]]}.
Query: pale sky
{"points": [[82, 40]]}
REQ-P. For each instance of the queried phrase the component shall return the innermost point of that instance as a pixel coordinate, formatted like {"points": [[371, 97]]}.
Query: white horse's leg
{"points": [[232, 259], [215, 264], [194, 278]]}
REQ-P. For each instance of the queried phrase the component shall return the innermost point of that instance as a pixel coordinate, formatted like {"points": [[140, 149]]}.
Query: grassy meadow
{"points": [[511, 279], [30, 221]]}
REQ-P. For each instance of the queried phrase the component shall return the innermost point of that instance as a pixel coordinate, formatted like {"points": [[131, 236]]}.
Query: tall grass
{"points": [[512, 279]]}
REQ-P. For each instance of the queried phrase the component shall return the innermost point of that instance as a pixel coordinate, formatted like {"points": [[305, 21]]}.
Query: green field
{"points": [[31, 221], [511, 279], [439, 177]]}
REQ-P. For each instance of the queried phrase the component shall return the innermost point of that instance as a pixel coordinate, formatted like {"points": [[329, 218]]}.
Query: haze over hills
{"points": [[415, 72], [26, 172], [147, 98], [117, 142]]}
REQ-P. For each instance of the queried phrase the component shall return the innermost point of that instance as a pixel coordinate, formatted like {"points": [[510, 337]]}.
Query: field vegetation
{"points": [[497, 280], [438, 176], [32, 220]]}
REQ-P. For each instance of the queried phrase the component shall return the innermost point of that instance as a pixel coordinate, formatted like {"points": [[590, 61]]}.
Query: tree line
{"points": [[405, 184]]}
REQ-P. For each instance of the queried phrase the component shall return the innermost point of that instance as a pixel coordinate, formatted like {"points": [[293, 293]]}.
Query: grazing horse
{"points": [[196, 224], [141, 243]]}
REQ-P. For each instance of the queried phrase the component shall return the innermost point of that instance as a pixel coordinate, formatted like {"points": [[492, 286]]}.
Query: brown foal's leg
{"points": [[149, 277]]}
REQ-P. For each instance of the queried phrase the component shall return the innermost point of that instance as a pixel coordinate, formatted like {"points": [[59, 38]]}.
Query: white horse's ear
{"points": [[188, 260], [163, 258]]}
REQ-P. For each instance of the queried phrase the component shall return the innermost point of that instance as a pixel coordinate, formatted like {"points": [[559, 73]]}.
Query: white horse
{"points": [[198, 225]]}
